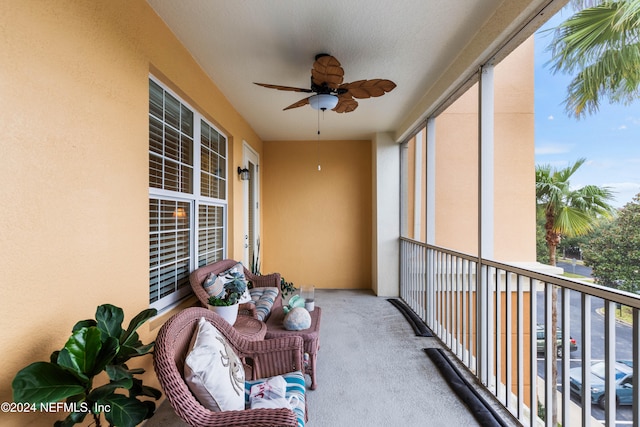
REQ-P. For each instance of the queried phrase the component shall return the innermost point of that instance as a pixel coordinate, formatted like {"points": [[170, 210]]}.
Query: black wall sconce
{"points": [[244, 173]]}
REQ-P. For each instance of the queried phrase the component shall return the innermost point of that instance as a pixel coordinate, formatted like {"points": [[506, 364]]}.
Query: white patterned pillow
{"points": [[213, 371]]}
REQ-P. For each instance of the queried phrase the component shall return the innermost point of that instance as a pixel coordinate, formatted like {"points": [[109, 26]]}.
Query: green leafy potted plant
{"points": [[286, 287], [255, 260], [226, 295], [95, 346]]}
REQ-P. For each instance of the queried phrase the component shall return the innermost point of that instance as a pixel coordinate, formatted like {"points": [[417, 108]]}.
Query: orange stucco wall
{"points": [[318, 223], [416, 218], [514, 163], [457, 175], [514, 174], [74, 168]]}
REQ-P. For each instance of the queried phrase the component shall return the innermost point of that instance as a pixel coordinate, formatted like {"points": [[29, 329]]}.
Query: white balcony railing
{"points": [[488, 314]]}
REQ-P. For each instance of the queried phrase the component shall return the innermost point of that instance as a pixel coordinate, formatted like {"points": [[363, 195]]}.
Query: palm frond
{"points": [[583, 4], [592, 199], [573, 211], [563, 175], [615, 75], [584, 37], [601, 44], [571, 221], [629, 13]]}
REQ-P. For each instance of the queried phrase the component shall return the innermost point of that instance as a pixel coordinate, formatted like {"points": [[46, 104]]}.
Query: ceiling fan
{"points": [[329, 91]]}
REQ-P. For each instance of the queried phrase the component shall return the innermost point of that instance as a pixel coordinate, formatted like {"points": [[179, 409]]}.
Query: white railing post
{"points": [[461, 300], [549, 386], [508, 340], [533, 353], [610, 362], [430, 278], [566, 355], [482, 322], [520, 343], [636, 366]]}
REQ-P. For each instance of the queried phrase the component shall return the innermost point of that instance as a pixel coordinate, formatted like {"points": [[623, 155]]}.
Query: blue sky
{"points": [[609, 139]]}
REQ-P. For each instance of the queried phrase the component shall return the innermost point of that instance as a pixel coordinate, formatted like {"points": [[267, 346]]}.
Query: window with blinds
{"points": [[210, 234], [169, 236], [213, 147], [187, 195]]}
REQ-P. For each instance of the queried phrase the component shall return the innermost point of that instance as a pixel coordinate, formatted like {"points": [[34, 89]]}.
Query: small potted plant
{"points": [[226, 294]]}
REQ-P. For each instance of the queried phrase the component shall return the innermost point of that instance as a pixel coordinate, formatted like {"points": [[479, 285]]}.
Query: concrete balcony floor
{"points": [[371, 371]]}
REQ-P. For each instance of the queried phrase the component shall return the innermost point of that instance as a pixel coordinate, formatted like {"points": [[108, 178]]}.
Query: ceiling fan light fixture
{"points": [[323, 101]]}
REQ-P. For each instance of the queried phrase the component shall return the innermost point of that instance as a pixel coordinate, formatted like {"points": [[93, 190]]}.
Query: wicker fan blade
{"points": [[362, 89], [300, 103], [346, 104], [327, 70], [287, 88]]}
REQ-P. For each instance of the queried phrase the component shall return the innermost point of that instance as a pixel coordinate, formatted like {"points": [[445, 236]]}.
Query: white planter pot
{"points": [[227, 312]]}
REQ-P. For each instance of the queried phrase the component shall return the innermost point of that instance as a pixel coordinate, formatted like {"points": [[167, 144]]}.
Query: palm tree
{"points": [[602, 44], [567, 212]]}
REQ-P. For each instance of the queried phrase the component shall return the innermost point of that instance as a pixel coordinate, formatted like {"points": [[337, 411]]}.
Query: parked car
{"points": [[573, 346], [623, 382]]}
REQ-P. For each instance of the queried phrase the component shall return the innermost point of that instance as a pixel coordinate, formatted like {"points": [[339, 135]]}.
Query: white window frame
{"points": [[195, 199]]}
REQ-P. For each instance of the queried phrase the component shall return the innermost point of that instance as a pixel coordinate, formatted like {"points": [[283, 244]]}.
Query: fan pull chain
{"points": [[318, 144]]}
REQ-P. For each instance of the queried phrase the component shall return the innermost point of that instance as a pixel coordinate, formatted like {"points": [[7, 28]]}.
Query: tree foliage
{"points": [[568, 211], [542, 250], [614, 254], [601, 45]]}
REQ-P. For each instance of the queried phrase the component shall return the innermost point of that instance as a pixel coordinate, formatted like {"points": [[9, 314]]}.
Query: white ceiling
{"points": [[238, 42]]}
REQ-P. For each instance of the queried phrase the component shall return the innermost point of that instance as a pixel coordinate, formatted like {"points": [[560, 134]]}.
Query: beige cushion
{"points": [[213, 371]]}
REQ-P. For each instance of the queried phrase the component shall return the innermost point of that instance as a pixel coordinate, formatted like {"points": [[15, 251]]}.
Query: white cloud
{"points": [[551, 148], [625, 186], [550, 118], [623, 192]]}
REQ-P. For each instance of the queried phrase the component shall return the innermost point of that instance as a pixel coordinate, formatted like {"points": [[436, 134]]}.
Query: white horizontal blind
{"points": [[210, 234], [170, 142], [213, 169], [186, 226], [169, 237]]}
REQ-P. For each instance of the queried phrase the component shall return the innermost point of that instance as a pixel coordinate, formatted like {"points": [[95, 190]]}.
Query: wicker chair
{"points": [[197, 277], [269, 357]]}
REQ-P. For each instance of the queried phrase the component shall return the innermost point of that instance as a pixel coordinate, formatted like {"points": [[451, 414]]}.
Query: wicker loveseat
{"points": [[272, 280], [278, 356]]}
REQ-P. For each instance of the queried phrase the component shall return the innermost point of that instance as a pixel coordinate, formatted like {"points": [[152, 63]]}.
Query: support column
{"points": [[417, 188], [386, 215], [431, 182], [485, 221]]}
